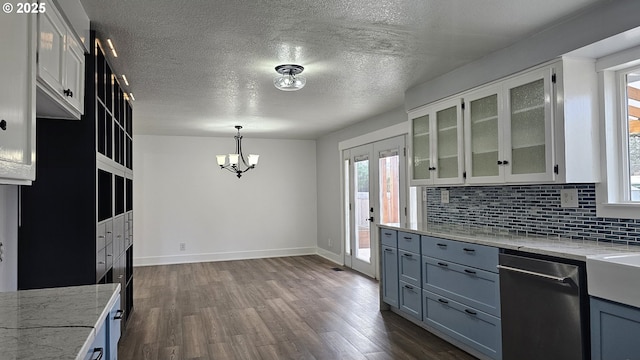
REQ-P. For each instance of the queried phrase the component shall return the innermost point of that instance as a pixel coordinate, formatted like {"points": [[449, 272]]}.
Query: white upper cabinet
{"points": [[536, 127], [437, 144], [60, 82], [17, 99]]}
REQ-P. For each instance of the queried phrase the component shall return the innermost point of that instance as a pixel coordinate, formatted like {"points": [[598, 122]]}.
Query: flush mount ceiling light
{"points": [[289, 79], [234, 164]]}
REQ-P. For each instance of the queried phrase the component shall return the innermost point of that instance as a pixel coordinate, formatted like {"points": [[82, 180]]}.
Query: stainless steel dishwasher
{"points": [[544, 308]]}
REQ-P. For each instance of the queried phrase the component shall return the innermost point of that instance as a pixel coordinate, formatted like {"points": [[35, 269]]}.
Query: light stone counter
{"points": [[544, 245], [57, 323]]}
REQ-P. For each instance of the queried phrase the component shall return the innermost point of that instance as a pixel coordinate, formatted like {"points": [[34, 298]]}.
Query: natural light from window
{"points": [[633, 138]]}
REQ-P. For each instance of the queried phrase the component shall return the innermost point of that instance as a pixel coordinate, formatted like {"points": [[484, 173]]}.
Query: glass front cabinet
{"points": [[508, 130], [437, 144]]}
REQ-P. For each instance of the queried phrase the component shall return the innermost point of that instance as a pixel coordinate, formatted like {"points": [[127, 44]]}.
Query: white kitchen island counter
{"points": [[56, 323]]}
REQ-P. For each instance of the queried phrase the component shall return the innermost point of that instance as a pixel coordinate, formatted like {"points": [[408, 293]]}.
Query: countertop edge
{"points": [[544, 247], [92, 335]]}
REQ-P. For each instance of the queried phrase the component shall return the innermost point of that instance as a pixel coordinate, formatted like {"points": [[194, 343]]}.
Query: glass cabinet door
{"points": [[449, 164], [421, 150], [528, 131], [483, 136]]}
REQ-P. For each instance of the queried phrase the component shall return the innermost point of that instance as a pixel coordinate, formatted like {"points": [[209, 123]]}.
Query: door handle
{"points": [[369, 219], [532, 273]]}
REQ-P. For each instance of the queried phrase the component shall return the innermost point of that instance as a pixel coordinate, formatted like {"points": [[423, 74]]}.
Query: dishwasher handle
{"points": [[560, 279]]}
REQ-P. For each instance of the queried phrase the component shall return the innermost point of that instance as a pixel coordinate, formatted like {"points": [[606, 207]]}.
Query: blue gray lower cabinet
{"points": [[105, 344], [474, 328], [409, 267], [390, 275], [614, 331], [411, 300]]}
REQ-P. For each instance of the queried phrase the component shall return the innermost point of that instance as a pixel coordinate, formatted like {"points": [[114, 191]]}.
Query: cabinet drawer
{"points": [[474, 255], [390, 275], [411, 300], [409, 267], [389, 237], [476, 288], [409, 242], [101, 263], [101, 238], [479, 330]]}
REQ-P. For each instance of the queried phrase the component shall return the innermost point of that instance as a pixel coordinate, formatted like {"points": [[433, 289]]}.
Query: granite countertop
{"points": [[56, 323], [544, 245]]}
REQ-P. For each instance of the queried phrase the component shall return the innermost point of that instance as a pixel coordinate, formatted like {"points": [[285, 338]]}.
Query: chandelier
{"points": [[289, 79], [236, 162]]}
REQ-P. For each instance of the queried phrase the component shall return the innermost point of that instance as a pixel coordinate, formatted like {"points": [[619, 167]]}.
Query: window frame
{"points": [[613, 198]]}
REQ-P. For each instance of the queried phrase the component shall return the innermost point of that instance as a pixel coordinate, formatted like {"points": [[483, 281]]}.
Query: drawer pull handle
{"points": [[443, 301], [118, 315], [100, 352], [101, 262], [101, 237], [3, 124], [407, 255], [409, 287], [469, 250], [68, 92], [469, 271], [408, 238], [388, 250], [470, 312], [388, 234], [443, 264], [108, 232], [441, 245]]}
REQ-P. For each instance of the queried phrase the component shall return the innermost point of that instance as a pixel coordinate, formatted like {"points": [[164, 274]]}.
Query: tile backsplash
{"points": [[529, 209]]}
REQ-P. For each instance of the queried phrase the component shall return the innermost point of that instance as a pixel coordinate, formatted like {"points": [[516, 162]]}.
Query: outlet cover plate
{"points": [[569, 198], [444, 196]]}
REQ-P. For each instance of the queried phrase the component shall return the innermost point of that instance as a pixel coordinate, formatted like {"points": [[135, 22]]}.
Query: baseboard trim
{"points": [[333, 257], [223, 256]]}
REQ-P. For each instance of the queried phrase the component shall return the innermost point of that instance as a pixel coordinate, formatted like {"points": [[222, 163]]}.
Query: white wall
{"points": [[9, 237], [328, 160], [181, 195]]}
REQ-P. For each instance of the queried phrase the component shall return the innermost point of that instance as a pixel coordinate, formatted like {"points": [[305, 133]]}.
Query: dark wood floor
{"points": [[279, 308]]}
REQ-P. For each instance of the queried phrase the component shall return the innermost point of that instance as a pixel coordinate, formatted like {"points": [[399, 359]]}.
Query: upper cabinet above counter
{"points": [[539, 126], [60, 61]]}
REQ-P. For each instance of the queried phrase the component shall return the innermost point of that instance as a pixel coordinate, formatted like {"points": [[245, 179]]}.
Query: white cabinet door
{"points": [[51, 37], [528, 137], [483, 122], [17, 103], [437, 144], [74, 74]]}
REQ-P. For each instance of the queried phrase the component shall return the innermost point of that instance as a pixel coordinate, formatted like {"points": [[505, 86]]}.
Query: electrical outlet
{"points": [[569, 198], [444, 196], [183, 246]]}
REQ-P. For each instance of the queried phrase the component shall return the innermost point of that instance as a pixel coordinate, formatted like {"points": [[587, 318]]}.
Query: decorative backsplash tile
{"points": [[529, 209]]}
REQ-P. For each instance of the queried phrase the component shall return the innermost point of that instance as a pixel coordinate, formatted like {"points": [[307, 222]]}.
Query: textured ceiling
{"points": [[200, 67]]}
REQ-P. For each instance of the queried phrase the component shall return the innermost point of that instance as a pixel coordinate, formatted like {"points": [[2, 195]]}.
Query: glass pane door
{"points": [[447, 124], [421, 163], [362, 209], [389, 187], [528, 125]]}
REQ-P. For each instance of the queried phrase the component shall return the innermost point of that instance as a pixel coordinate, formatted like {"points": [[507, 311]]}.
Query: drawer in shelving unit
{"points": [[477, 288], [468, 325], [387, 237], [473, 255], [409, 242], [411, 300]]}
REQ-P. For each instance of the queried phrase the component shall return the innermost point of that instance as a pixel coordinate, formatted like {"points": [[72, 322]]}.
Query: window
{"points": [[618, 194]]}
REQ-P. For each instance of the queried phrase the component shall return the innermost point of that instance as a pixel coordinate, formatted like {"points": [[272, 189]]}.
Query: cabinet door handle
{"points": [[407, 238], [443, 301], [505, 162], [99, 351], [108, 232], [68, 92], [443, 264], [118, 315], [470, 312], [101, 262], [388, 250], [469, 250], [441, 245], [407, 255], [388, 234], [469, 271], [3, 124], [100, 236], [409, 287]]}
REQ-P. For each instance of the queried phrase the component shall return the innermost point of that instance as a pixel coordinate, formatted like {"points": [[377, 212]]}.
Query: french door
{"points": [[375, 192]]}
